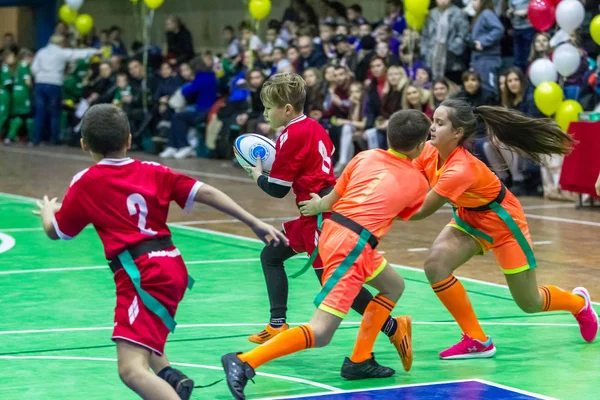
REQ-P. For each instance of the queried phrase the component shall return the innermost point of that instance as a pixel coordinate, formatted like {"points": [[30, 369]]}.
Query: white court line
{"points": [[20, 229], [542, 242], [512, 389], [417, 249], [75, 358], [565, 220], [249, 239], [89, 161], [232, 221], [246, 325]]}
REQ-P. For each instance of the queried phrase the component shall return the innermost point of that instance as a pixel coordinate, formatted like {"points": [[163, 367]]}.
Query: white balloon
{"points": [[74, 4], [559, 38], [566, 59], [569, 15], [542, 70]]}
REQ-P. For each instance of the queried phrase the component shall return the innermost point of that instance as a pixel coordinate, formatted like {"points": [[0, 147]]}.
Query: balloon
{"points": [[559, 38], [417, 8], [67, 15], [74, 4], [542, 70], [259, 9], [569, 15], [566, 59], [84, 24], [547, 97], [154, 4], [541, 14], [595, 29], [568, 112], [416, 22]]}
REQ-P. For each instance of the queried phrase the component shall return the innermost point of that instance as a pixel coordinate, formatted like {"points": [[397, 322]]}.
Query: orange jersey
{"points": [[376, 187], [463, 179]]}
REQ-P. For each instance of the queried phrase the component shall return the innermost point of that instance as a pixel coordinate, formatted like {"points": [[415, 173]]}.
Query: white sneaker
{"points": [[169, 152], [184, 152], [7, 141]]}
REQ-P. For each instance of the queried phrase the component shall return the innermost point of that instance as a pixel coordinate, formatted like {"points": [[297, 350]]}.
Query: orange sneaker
{"points": [[402, 341], [267, 334]]}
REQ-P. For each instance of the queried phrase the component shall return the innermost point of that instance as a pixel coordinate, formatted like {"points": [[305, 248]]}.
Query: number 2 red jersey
{"points": [[303, 158], [126, 200]]}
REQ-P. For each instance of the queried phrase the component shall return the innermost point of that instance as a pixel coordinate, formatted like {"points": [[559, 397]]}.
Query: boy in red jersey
{"points": [[127, 201], [303, 163]]}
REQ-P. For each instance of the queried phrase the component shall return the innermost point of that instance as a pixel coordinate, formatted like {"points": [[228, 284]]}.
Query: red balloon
{"points": [[542, 14]]}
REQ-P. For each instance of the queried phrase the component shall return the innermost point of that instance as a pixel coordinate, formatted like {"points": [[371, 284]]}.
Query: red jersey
{"points": [[126, 200], [303, 158]]}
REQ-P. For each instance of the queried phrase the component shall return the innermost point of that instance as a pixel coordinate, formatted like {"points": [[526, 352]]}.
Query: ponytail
{"points": [[532, 136]]}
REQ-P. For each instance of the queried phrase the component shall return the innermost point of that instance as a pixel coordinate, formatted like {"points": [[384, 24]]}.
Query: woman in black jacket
{"points": [[180, 46]]}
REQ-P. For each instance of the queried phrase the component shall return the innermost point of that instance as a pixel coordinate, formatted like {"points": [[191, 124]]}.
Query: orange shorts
{"points": [[335, 244], [508, 252]]}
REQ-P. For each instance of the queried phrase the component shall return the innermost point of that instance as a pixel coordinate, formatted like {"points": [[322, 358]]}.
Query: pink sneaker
{"points": [[587, 317], [469, 348]]}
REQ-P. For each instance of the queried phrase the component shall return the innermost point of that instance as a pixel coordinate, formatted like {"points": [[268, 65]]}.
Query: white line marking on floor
{"points": [[564, 220], [512, 389], [232, 221], [74, 358], [417, 249], [542, 242], [241, 325]]}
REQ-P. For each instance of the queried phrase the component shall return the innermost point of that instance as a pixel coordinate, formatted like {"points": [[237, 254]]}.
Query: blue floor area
{"points": [[471, 390]]}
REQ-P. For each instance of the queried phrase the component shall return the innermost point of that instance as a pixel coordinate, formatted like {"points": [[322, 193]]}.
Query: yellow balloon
{"points": [[417, 7], [595, 29], [547, 97], [259, 9], [154, 4], [66, 14], [568, 112], [84, 24], [416, 22]]}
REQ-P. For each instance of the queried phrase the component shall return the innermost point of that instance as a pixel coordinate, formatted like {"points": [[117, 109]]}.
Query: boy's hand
{"points": [[263, 231], [598, 185], [47, 206], [255, 172], [312, 206]]}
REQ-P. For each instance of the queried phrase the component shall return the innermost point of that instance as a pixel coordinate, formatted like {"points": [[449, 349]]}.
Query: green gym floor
{"points": [[57, 299]]}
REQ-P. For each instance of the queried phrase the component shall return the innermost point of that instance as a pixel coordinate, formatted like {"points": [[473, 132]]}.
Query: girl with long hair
{"points": [[487, 216], [416, 98]]}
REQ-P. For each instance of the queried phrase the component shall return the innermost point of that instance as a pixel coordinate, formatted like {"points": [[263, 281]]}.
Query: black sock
{"points": [[390, 326], [277, 322], [163, 372]]}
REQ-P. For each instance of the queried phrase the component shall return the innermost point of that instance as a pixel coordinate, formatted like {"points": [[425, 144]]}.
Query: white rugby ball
{"points": [[249, 147]]}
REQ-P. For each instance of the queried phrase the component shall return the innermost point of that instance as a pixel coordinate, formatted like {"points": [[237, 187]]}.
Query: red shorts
{"points": [[304, 236], [165, 278]]}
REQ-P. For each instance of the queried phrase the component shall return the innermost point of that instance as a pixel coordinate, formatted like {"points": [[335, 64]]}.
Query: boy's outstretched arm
{"points": [[215, 198], [47, 210]]}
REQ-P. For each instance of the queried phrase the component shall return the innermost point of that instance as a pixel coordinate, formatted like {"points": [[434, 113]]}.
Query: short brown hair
{"points": [[284, 88], [105, 129], [407, 129]]}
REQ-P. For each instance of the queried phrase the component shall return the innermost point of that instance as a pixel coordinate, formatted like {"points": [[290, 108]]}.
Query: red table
{"points": [[580, 168]]}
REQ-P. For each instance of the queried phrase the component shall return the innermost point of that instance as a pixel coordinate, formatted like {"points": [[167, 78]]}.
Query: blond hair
{"points": [[284, 88]]}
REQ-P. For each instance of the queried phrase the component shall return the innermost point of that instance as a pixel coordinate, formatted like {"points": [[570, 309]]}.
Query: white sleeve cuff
{"points": [[59, 232], [280, 182], [189, 204]]}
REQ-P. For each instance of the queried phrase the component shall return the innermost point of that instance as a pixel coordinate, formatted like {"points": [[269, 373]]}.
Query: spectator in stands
{"points": [[180, 45], [186, 72], [354, 14], [473, 91], [441, 92], [409, 52], [382, 49], [300, 12], [395, 18], [118, 47], [486, 34], [335, 12], [375, 95], [365, 55], [523, 31], [519, 93], [293, 56], [423, 78], [100, 86], [444, 41], [416, 98], [48, 69], [249, 41], [574, 83], [326, 32], [353, 127], [336, 99], [9, 43], [540, 47], [279, 62], [250, 120], [273, 40], [315, 95], [168, 84], [385, 35], [204, 87], [310, 56], [232, 43], [343, 53], [137, 75]]}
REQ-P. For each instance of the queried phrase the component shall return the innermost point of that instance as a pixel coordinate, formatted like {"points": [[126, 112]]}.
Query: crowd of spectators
{"points": [[194, 103]]}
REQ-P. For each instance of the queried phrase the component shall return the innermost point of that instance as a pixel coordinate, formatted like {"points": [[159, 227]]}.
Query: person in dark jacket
{"points": [[310, 56], [180, 46], [473, 91], [487, 32]]}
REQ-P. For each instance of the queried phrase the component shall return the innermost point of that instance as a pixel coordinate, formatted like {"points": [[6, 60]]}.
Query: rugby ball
{"points": [[249, 147]]}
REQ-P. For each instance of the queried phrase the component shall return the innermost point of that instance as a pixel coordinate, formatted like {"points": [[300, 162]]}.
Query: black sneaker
{"points": [[365, 370], [237, 373], [180, 382]]}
